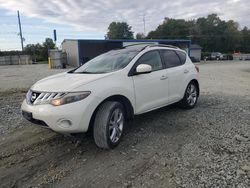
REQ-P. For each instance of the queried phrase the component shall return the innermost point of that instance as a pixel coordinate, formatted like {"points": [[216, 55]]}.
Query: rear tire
{"points": [[109, 124], [190, 97]]}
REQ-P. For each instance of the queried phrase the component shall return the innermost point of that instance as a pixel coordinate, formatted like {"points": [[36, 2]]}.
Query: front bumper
{"points": [[29, 116], [69, 118]]}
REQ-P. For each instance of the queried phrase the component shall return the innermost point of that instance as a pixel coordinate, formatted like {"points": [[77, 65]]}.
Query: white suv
{"points": [[104, 93]]}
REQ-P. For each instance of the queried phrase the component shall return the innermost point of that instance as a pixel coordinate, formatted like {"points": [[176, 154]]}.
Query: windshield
{"points": [[109, 62]]}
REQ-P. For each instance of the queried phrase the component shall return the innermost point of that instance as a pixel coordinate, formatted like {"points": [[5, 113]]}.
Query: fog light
{"points": [[65, 123]]}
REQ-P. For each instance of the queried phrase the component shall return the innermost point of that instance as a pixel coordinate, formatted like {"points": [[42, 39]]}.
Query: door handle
{"points": [[186, 71], [164, 77]]}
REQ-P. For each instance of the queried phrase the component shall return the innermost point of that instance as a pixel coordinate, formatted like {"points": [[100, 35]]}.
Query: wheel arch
{"points": [[129, 110], [195, 81]]}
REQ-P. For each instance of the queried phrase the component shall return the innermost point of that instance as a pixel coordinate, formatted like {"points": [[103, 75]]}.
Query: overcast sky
{"points": [[90, 18]]}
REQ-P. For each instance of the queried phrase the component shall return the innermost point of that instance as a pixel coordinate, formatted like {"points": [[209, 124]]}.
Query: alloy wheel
{"points": [[191, 94], [116, 123]]}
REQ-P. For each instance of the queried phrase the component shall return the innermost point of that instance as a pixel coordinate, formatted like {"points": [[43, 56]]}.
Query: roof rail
{"points": [[151, 45], [164, 45], [144, 43]]}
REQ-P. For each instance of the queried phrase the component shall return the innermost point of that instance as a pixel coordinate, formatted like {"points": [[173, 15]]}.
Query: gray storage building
{"points": [[80, 51], [195, 52]]}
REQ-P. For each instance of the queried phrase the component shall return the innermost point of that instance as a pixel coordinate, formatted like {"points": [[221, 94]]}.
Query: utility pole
{"points": [[55, 37], [20, 29], [144, 24]]}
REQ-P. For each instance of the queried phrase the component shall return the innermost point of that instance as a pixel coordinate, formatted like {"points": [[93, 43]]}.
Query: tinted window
{"points": [[153, 59], [182, 56], [171, 58]]}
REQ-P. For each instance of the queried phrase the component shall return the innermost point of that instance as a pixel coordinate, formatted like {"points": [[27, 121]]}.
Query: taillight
{"points": [[197, 68]]}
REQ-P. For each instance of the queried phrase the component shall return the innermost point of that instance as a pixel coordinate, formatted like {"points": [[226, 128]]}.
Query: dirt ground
{"points": [[208, 146]]}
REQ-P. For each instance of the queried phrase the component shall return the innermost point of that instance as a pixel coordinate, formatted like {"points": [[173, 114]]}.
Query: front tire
{"points": [[190, 97], [109, 124]]}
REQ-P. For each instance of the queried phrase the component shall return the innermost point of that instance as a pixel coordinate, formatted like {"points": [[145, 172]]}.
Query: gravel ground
{"points": [[18, 77], [208, 146]]}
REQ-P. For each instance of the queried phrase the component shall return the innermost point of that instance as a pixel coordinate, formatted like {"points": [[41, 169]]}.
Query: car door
{"points": [[151, 89], [176, 71]]}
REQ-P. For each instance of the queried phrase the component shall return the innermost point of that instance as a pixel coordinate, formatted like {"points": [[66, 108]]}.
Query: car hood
{"points": [[65, 82]]}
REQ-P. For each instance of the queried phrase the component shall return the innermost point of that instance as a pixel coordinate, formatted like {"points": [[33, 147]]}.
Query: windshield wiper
{"points": [[86, 72]]}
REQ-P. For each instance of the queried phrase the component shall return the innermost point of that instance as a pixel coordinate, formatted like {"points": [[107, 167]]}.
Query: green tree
{"points": [[36, 51], [172, 28], [212, 33], [47, 44], [232, 37], [119, 30], [245, 43], [39, 52], [140, 36], [218, 35]]}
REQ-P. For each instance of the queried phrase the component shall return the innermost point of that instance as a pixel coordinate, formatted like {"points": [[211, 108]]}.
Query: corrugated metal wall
{"points": [[90, 49], [71, 49]]}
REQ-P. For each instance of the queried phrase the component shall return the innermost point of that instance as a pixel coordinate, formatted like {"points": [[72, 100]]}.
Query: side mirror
{"points": [[143, 69]]}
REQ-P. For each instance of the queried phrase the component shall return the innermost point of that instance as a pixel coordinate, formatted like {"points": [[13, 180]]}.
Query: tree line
{"points": [[211, 33], [38, 52]]}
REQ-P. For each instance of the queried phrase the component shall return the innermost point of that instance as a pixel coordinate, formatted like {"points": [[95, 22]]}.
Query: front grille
{"points": [[34, 97]]}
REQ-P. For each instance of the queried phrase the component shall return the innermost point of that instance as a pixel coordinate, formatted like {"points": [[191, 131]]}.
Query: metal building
{"points": [[195, 52], [80, 51]]}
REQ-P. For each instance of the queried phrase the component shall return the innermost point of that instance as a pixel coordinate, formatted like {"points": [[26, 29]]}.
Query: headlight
{"points": [[69, 98]]}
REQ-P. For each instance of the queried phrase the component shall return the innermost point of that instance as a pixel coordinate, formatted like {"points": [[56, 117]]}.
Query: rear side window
{"points": [[182, 56], [171, 58]]}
